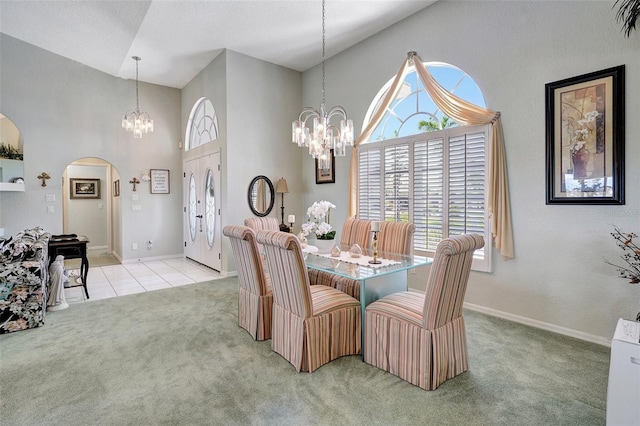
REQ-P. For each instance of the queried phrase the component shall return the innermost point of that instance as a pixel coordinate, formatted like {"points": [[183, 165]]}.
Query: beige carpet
{"points": [[177, 357]]}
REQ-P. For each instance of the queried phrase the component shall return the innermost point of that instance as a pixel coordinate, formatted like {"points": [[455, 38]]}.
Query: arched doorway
{"points": [[91, 207]]}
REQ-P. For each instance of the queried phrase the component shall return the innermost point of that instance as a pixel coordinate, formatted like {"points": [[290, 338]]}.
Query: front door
{"points": [[202, 210]]}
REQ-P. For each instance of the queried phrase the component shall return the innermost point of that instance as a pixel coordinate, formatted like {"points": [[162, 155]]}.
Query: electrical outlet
{"points": [[149, 245], [134, 246]]}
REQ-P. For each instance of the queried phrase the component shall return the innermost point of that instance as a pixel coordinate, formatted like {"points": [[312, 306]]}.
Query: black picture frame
{"points": [[116, 188], [585, 119], [326, 175]]}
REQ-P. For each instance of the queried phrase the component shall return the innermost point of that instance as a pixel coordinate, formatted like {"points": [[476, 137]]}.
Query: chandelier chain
{"points": [[137, 58], [323, 54]]}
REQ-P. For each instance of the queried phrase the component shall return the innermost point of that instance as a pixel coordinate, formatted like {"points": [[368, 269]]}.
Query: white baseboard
{"points": [[539, 324], [150, 258], [97, 248]]}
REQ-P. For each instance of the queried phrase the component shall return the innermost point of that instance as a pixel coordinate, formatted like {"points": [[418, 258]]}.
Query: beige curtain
{"points": [[465, 113]]}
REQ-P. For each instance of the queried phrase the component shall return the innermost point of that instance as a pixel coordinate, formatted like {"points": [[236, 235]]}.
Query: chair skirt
{"points": [[254, 313], [311, 343], [402, 347]]}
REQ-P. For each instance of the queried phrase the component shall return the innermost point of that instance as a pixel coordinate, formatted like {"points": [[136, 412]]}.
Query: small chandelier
{"points": [[325, 136], [136, 121]]}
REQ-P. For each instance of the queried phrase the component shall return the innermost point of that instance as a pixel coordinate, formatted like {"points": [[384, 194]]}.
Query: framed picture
{"points": [[159, 181], [327, 175], [116, 188], [84, 188], [585, 138]]}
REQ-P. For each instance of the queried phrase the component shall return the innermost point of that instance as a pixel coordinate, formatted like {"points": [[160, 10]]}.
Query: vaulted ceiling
{"points": [[176, 39]]}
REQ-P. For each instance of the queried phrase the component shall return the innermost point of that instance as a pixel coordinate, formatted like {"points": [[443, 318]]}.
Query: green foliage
{"points": [[7, 151], [628, 14], [432, 125]]}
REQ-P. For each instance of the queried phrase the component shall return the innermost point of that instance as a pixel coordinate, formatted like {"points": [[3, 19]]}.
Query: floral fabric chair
{"points": [[23, 280], [312, 325], [255, 296], [420, 337]]}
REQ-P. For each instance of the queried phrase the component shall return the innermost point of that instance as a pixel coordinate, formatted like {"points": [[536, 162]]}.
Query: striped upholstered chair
{"points": [[312, 325], [262, 223], [255, 297], [420, 337], [396, 237], [354, 231]]}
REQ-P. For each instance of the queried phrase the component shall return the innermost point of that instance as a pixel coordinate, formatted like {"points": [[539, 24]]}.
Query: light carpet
{"points": [[178, 357]]}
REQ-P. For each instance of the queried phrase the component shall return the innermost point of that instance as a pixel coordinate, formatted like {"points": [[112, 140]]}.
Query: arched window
{"points": [[202, 126], [413, 111], [420, 166]]}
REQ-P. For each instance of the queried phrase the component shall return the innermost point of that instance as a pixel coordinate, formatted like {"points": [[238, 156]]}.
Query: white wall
{"points": [[255, 102], [512, 49], [68, 111]]}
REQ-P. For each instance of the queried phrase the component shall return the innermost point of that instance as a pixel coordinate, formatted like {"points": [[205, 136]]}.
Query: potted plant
{"points": [[318, 218], [630, 255]]}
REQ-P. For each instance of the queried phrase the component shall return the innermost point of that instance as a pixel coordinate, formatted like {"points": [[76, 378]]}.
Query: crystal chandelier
{"points": [[325, 136], [136, 121]]}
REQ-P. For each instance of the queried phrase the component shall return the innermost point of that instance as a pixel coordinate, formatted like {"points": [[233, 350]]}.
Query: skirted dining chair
{"points": [[396, 237], [420, 337], [255, 297], [354, 231], [312, 325], [262, 223]]}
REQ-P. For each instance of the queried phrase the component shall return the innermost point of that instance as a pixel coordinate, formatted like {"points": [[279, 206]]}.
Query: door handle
{"points": [[199, 216]]}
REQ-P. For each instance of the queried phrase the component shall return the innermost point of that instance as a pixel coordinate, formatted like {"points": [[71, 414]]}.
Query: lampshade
{"points": [[281, 187]]}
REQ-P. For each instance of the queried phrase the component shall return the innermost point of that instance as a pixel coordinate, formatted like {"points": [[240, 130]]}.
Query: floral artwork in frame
{"points": [[84, 188], [585, 138]]}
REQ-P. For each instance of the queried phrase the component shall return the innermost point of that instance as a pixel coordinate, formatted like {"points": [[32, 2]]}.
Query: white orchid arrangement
{"points": [[581, 129], [318, 221]]}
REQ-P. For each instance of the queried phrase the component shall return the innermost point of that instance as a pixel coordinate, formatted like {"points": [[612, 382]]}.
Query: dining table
{"points": [[376, 280]]}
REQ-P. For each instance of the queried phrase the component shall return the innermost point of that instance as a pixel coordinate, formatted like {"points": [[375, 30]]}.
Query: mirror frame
{"points": [[273, 196]]}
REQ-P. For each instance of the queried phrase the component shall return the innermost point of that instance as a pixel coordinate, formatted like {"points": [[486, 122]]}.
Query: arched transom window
{"points": [[202, 126]]}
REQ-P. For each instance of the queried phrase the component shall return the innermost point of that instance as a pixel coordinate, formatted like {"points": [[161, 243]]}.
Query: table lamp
{"points": [[282, 188]]}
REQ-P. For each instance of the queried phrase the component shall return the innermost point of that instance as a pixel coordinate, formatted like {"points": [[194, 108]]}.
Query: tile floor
{"points": [[119, 280]]}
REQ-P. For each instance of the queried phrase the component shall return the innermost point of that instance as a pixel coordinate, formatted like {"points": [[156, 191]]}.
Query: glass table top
{"points": [[344, 268]]}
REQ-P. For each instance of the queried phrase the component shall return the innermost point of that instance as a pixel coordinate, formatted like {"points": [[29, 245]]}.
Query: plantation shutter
{"points": [[369, 184], [396, 183]]}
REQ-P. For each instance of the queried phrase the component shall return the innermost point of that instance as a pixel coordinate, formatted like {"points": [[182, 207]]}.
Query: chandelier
{"points": [[325, 136], [136, 121]]}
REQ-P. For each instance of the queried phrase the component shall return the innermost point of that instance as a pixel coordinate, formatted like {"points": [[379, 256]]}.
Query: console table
{"points": [[71, 246]]}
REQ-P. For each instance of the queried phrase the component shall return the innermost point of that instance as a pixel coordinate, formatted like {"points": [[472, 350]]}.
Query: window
{"points": [[203, 124], [423, 168]]}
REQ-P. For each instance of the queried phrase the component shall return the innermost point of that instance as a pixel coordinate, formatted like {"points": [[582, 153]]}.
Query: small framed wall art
{"points": [[116, 188], [327, 175], [159, 181], [84, 188], [585, 138]]}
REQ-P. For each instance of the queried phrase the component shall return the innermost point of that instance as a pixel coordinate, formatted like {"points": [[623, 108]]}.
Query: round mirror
{"points": [[261, 196], [11, 153]]}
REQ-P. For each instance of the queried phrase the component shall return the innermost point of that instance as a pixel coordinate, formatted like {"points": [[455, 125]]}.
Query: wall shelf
{"points": [[8, 186]]}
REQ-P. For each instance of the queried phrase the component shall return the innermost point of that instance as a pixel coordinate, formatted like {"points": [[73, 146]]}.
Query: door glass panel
{"points": [[210, 207], [192, 207]]}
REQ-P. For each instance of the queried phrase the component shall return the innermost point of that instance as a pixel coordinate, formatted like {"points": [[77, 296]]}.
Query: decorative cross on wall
{"points": [[44, 176], [134, 181]]}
